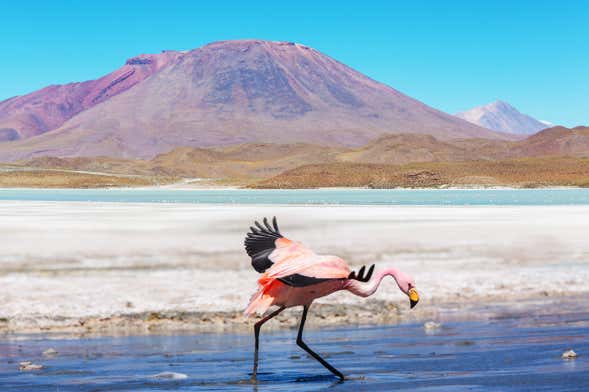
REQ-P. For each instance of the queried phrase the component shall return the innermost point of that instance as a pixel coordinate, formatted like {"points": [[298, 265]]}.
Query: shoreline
{"points": [[322, 315], [178, 187]]}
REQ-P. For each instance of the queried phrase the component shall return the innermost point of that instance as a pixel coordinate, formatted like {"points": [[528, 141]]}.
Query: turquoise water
{"points": [[450, 197]]}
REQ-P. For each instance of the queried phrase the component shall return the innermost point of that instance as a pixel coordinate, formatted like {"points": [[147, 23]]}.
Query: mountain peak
{"points": [[154, 60], [499, 104], [222, 93], [253, 41], [501, 116]]}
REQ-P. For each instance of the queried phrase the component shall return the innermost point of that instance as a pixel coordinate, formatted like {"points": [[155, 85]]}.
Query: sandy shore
{"points": [[117, 268]]}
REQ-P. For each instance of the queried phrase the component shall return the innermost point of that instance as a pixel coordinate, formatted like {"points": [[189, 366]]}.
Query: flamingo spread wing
{"points": [[282, 260], [278, 257]]}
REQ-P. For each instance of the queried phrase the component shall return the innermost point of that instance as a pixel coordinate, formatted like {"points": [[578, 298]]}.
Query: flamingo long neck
{"points": [[366, 289]]}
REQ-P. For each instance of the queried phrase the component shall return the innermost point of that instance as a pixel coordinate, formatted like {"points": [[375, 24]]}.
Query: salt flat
{"points": [[67, 261]]}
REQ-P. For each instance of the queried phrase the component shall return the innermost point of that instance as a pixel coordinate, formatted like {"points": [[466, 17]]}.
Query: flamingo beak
{"points": [[413, 297]]}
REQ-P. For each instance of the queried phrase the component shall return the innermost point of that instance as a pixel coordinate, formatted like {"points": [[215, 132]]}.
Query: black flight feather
{"points": [[260, 242]]}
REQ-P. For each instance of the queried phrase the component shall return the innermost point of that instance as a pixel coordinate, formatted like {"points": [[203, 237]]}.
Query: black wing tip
{"points": [[260, 241], [362, 275], [265, 228]]}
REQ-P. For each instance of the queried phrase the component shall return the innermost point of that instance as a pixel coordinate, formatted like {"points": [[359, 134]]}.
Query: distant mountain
{"points": [[229, 92], [46, 109], [502, 117]]}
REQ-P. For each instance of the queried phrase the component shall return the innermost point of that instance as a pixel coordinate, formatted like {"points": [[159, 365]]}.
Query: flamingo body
{"points": [[297, 277], [281, 294]]}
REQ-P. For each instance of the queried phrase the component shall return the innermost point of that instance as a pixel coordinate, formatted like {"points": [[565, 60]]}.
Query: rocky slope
{"points": [[46, 109]]}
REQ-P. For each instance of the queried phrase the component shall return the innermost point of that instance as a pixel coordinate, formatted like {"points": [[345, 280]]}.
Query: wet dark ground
{"points": [[504, 354]]}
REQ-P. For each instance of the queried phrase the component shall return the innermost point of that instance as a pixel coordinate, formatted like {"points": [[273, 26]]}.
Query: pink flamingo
{"points": [[293, 275]]}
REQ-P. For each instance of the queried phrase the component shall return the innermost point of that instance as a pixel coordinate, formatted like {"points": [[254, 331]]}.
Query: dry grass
{"points": [[526, 172], [65, 179]]}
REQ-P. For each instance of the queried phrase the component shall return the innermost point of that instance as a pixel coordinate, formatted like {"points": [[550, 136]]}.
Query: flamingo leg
{"points": [[257, 327], [304, 346]]}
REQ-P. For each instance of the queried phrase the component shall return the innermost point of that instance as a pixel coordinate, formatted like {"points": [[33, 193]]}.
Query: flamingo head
{"points": [[407, 285]]}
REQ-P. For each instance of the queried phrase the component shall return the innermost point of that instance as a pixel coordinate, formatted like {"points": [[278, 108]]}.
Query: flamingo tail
{"points": [[260, 301]]}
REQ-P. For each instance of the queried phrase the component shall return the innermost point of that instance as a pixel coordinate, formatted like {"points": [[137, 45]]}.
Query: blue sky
{"points": [[451, 55]]}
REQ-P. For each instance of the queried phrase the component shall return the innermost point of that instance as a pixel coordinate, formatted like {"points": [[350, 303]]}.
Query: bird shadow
{"points": [[319, 378], [267, 378]]}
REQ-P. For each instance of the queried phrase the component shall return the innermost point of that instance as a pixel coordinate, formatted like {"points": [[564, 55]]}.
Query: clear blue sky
{"points": [[450, 54]]}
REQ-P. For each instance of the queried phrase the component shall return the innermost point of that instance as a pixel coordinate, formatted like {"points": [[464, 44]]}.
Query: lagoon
{"points": [[517, 352], [410, 197]]}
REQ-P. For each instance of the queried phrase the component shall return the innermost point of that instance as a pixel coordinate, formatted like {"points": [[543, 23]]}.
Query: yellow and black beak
{"points": [[413, 297]]}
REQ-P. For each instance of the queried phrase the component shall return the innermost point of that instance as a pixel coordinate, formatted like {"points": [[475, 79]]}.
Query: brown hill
{"points": [[93, 164], [238, 163], [246, 91], [407, 148], [557, 141], [554, 141], [254, 161]]}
